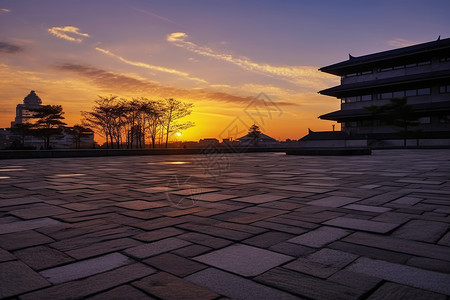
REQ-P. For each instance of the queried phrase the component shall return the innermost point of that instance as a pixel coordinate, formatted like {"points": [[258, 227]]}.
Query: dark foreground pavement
{"points": [[247, 226]]}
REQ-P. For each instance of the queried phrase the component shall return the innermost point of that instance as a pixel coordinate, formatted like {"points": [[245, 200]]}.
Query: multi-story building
{"points": [[24, 113], [70, 137], [419, 73]]}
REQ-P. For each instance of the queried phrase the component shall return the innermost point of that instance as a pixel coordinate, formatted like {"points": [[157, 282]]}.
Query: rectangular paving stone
{"points": [[287, 219], [82, 288], [85, 268], [423, 279], [355, 280], [399, 245], [191, 251], [154, 189], [307, 286], [267, 239], [315, 217], [182, 212], [166, 286], [280, 227], [235, 287], [6, 256], [103, 248], [230, 234], [42, 257], [141, 204], [194, 191], [258, 199], [430, 264], [290, 249], [91, 236], [368, 208], [212, 197], [17, 278], [158, 234], [383, 198], [300, 188], [430, 182], [158, 223], [420, 230], [124, 292], [205, 240], [333, 201], [23, 239], [175, 264], [320, 237], [359, 224], [407, 200], [322, 263], [390, 290], [150, 249], [27, 225], [42, 210], [241, 227], [243, 260], [372, 252], [19, 201]]}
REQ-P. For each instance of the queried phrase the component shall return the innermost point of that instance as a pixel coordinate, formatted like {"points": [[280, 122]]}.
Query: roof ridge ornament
{"points": [[350, 57], [439, 38]]}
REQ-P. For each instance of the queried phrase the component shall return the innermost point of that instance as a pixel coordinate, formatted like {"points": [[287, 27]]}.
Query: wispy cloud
{"points": [[399, 42], [151, 67], [4, 11], [149, 13], [298, 74], [10, 48], [113, 82], [69, 33]]}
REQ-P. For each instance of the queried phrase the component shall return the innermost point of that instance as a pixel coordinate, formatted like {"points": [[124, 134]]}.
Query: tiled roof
{"points": [[420, 49], [359, 113], [423, 78]]}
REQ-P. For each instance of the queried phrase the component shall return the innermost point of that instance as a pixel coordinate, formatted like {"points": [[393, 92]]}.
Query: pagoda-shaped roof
{"points": [[419, 51], [32, 100], [261, 137]]}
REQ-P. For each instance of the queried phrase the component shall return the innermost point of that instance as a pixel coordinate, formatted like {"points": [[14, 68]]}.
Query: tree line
{"points": [[129, 124], [48, 123]]}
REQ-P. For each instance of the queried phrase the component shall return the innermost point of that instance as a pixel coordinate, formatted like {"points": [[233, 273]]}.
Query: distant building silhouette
{"points": [[23, 113], [420, 74], [70, 137], [257, 140], [208, 142]]}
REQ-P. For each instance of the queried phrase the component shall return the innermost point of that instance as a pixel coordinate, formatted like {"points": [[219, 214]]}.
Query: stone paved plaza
{"points": [[240, 226]]}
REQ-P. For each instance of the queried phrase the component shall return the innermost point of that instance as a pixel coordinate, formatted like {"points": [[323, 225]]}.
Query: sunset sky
{"points": [[220, 55]]}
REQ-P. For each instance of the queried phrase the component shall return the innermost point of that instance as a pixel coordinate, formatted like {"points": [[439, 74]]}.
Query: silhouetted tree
{"points": [[23, 130], [78, 132], [49, 122], [153, 114], [125, 122], [254, 132], [101, 118], [397, 113], [173, 111]]}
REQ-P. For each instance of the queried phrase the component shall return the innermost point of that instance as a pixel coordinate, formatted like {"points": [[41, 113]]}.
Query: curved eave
{"points": [[387, 83], [395, 54], [355, 114]]}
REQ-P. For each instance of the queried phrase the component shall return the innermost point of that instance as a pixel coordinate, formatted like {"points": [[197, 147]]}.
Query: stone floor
{"points": [[241, 226]]}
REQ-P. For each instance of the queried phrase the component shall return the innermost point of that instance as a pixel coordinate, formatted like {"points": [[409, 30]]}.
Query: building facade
{"points": [[418, 74], [23, 110], [70, 137]]}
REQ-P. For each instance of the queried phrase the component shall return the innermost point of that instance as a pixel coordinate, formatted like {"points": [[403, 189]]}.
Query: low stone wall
{"points": [[59, 153]]}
